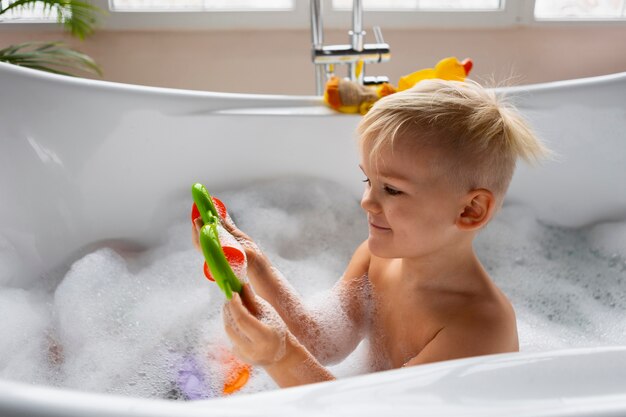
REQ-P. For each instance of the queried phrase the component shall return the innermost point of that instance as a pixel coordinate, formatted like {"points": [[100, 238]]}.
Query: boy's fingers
{"points": [[241, 345], [228, 223], [241, 354], [234, 333], [195, 232], [246, 322], [194, 236], [232, 228], [248, 298]]}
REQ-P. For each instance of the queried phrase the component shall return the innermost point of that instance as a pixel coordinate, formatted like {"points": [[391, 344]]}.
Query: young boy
{"points": [[437, 160]]}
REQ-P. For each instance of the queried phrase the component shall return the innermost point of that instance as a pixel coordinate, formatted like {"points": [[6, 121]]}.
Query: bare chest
{"points": [[401, 326]]}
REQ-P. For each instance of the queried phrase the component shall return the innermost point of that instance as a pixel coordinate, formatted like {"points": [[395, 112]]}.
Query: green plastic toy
{"points": [[210, 243]]}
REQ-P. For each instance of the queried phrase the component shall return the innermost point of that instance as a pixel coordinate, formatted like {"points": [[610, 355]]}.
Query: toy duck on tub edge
{"points": [[350, 97]]}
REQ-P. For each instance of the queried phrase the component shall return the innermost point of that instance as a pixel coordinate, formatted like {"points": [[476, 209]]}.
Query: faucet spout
{"points": [[355, 55]]}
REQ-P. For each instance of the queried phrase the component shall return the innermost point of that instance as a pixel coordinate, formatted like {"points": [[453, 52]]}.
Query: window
{"points": [[440, 5], [294, 14], [199, 5], [580, 9], [31, 13]]}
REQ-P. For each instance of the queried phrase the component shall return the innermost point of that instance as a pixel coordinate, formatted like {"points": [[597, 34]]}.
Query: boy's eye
{"points": [[367, 180], [392, 191]]}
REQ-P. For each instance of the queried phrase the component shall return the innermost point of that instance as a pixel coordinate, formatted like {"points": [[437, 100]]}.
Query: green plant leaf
{"points": [[52, 57]]}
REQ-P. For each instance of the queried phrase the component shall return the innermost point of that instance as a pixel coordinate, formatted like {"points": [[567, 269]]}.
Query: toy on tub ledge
{"points": [[347, 96], [225, 263]]}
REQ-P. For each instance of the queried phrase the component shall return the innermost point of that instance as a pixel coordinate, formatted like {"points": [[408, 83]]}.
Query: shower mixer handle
{"points": [[343, 54]]}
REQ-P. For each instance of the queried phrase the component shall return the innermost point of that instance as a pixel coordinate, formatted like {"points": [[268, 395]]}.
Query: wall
{"points": [[279, 61]]}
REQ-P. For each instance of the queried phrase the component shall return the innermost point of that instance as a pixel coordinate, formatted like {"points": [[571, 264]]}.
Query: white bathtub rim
{"points": [[24, 399], [565, 84], [296, 100], [118, 86]]}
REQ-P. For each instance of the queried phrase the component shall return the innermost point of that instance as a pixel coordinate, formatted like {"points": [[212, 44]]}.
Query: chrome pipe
{"points": [[345, 54], [317, 39], [317, 27], [378, 34], [357, 35], [320, 79]]}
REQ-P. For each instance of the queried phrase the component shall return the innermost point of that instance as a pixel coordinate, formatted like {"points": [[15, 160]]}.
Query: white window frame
{"points": [[515, 13], [529, 16]]}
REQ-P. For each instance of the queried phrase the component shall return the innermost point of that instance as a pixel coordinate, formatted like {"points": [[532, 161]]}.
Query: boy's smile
{"points": [[377, 224]]}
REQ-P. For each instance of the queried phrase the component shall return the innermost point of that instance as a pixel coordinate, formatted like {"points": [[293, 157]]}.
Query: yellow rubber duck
{"points": [[350, 97], [447, 69]]}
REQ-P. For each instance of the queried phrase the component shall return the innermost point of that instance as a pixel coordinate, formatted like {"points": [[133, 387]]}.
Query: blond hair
{"points": [[480, 134]]}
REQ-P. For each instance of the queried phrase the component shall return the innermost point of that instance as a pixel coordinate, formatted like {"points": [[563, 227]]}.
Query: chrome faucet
{"points": [[355, 55]]}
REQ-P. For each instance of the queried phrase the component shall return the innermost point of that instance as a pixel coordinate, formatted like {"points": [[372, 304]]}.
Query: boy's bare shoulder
{"points": [[471, 325], [359, 264], [354, 290], [488, 314]]}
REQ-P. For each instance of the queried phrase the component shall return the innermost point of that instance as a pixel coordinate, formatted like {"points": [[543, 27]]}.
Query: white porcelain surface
{"points": [[79, 158], [566, 383]]}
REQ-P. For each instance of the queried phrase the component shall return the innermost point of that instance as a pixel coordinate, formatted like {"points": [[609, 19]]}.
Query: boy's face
{"points": [[411, 209]]}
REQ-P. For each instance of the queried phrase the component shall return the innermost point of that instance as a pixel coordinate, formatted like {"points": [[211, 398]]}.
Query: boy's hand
{"points": [[252, 250], [195, 232], [257, 332]]}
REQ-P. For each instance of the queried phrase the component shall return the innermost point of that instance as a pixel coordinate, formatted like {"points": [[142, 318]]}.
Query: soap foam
{"points": [[150, 324], [24, 335], [567, 285]]}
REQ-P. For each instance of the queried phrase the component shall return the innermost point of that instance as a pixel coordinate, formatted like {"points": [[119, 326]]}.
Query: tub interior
{"points": [[99, 181]]}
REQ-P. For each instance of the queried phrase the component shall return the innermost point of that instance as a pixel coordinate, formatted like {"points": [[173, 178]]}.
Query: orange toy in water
{"points": [[236, 373], [237, 377]]}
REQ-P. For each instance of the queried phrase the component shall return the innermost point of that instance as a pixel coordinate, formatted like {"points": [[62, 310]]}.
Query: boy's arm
{"points": [[329, 334], [261, 338], [297, 367], [314, 328], [473, 336]]}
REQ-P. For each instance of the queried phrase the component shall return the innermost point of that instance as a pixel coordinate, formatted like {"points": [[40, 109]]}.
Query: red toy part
{"points": [[195, 213], [468, 65], [234, 256], [219, 206], [235, 259], [207, 272]]}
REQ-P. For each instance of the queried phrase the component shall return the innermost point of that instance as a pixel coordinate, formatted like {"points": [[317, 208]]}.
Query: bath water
{"points": [[150, 325]]}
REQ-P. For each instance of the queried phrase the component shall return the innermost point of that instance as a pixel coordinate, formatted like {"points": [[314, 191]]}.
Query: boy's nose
{"points": [[368, 203]]}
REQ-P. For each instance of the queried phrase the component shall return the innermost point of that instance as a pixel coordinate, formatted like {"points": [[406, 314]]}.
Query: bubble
{"points": [[9, 259], [148, 324], [567, 292]]}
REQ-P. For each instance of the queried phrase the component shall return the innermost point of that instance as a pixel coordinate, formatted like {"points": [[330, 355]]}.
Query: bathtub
{"points": [[80, 158]]}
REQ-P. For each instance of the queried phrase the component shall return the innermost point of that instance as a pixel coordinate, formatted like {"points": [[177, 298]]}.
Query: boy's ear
{"points": [[478, 207]]}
